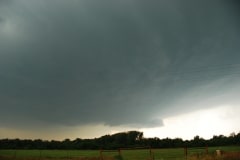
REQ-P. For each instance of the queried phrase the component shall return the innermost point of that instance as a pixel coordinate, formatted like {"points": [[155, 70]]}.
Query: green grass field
{"points": [[140, 154]]}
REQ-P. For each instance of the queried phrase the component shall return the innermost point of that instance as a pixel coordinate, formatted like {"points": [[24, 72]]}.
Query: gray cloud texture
{"points": [[115, 62]]}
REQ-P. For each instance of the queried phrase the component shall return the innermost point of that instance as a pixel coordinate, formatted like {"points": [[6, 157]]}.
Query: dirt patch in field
{"points": [[224, 156]]}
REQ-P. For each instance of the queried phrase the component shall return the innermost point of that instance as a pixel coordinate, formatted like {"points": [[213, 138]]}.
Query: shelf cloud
{"points": [[117, 63]]}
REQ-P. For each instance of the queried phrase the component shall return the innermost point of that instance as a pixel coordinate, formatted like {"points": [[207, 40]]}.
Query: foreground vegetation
{"points": [[224, 156], [122, 146], [229, 153]]}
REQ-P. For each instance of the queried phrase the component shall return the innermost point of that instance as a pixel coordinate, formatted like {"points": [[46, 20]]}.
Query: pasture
{"points": [[129, 154]]}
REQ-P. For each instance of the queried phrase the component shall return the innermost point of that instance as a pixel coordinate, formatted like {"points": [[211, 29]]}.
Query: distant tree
{"points": [[119, 140]]}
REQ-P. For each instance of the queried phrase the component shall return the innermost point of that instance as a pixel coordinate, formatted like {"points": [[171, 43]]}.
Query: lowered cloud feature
{"points": [[114, 63]]}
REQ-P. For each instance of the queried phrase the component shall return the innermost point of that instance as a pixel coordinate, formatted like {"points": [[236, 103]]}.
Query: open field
{"points": [[139, 154]]}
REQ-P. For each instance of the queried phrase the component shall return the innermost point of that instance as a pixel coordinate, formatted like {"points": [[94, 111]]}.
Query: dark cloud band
{"points": [[116, 63]]}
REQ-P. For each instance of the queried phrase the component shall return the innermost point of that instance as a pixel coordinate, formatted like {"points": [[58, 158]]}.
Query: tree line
{"points": [[119, 140]]}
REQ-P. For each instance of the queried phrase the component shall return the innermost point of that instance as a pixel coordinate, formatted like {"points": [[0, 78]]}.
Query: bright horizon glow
{"points": [[205, 123]]}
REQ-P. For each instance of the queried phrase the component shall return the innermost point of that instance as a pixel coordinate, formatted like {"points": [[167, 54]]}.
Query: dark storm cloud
{"points": [[118, 63], [5, 1]]}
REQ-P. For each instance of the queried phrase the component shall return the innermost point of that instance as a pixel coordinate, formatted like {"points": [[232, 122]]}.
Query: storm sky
{"points": [[84, 68]]}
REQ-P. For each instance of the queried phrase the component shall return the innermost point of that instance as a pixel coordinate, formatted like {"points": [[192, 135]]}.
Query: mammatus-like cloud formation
{"points": [[115, 62]]}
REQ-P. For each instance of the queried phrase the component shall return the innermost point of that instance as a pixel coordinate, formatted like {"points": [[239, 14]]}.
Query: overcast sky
{"points": [[84, 68]]}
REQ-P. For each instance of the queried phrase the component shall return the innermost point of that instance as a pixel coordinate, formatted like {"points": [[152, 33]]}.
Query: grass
{"points": [[49, 153], [224, 156], [140, 154]]}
